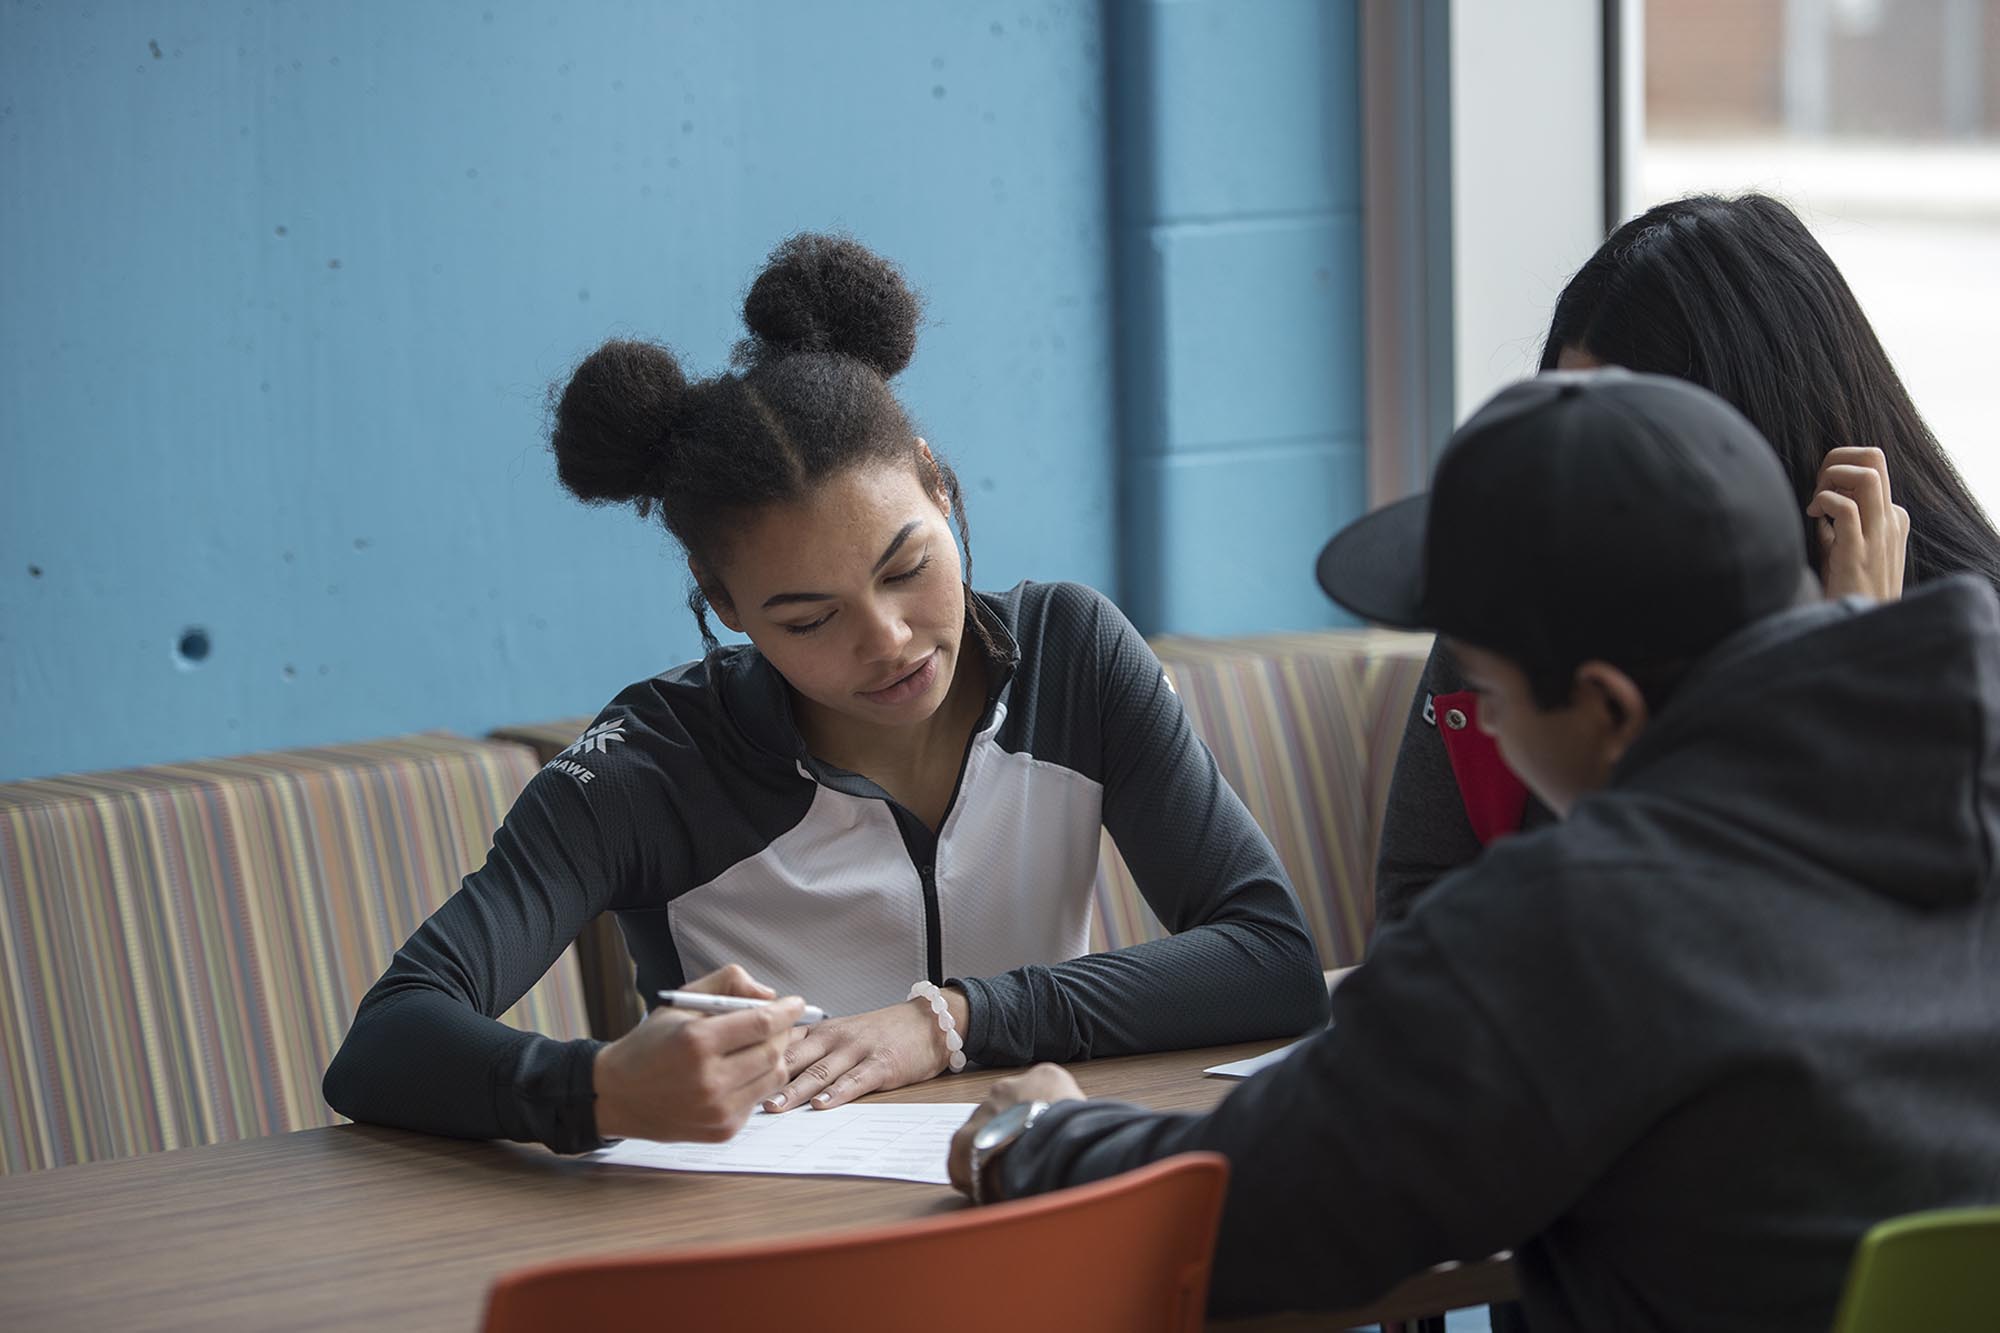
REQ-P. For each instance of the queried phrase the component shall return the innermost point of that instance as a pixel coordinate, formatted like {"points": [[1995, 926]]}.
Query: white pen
{"points": [[703, 1003]]}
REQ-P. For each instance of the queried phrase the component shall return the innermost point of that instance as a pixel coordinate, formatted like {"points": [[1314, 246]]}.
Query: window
{"points": [[1879, 122]]}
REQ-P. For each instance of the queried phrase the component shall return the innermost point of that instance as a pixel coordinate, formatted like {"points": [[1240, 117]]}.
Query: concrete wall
{"points": [[1238, 175], [284, 286]]}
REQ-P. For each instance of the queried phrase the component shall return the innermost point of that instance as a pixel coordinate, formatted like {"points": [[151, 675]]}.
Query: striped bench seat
{"points": [[1304, 726], [182, 947]]}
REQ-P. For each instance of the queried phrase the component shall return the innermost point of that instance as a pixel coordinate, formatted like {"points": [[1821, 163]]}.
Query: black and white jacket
{"points": [[692, 809]]}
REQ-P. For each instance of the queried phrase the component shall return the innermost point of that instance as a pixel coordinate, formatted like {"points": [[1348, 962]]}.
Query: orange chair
{"points": [[1129, 1253]]}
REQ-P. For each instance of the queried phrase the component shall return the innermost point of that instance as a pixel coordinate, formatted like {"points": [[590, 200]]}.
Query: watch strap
{"points": [[984, 1159]]}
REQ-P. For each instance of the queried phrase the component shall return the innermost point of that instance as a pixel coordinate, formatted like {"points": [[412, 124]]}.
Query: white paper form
{"points": [[900, 1141], [1245, 1068]]}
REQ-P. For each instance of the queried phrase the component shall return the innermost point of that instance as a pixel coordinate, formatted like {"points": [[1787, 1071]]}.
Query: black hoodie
{"points": [[1679, 1051]]}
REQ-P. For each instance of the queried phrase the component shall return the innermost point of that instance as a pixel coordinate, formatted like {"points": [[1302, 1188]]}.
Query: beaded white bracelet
{"points": [[954, 1044]]}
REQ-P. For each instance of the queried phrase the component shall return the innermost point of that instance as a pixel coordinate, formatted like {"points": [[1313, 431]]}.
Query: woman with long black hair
{"points": [[1736, 296]]}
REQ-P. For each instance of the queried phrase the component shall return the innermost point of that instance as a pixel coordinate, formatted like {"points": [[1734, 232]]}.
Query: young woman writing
{"points": [[897, 786]]}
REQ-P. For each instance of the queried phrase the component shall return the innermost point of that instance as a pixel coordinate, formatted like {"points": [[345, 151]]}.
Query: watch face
{"points": [[1001, 1127]]}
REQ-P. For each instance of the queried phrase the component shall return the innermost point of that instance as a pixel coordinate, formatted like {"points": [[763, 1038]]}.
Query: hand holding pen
{"points": [[701, 1002], [681, 1075]]}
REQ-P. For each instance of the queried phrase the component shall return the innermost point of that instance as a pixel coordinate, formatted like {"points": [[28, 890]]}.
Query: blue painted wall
{"points": [[284, 285], [1238, 232]]}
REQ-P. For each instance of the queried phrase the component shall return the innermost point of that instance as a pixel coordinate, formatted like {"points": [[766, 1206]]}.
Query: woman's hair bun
{"points": [[825, 293], [612, 421]]}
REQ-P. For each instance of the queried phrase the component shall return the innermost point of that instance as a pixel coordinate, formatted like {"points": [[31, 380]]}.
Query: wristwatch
{"points": [[995, 1137]]}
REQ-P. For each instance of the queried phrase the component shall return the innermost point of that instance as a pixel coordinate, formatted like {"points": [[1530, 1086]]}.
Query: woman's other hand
{"points": [[680, 1076], [833, 1062], [1863, 535], [1042, 1083]]}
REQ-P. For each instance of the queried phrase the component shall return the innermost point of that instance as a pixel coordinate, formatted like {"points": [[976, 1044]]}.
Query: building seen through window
{"points": [[1879, 121]]}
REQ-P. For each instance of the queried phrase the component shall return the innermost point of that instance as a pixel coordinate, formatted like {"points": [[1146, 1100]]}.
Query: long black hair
{"points": [[1736, 296], [830, 324]]}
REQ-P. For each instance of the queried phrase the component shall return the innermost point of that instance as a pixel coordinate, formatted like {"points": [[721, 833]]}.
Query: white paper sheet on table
{"points": [[901, 1141], [1245, 1068]]}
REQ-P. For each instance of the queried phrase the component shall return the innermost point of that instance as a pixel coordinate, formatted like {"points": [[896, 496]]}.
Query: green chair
{"points": [[1938, 1272]]}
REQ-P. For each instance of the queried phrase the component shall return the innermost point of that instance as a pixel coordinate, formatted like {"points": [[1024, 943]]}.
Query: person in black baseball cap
{"points": [[1588, 536], [1678, 1050]]}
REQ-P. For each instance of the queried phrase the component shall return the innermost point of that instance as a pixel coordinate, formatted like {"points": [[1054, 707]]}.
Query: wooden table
{"points": [[362, 1227]]}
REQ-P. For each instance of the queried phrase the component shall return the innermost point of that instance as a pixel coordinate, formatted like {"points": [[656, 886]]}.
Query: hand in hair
{"points": [[1863, 535], [834, 1062], [683, 1077]]}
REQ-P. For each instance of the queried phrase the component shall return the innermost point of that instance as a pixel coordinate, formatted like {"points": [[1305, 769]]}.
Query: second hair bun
{"points": [[822, 293]]}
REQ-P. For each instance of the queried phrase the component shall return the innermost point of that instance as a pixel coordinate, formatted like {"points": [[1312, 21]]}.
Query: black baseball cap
{"points": [[1585, 514]]}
